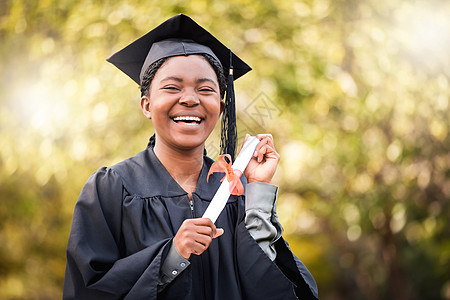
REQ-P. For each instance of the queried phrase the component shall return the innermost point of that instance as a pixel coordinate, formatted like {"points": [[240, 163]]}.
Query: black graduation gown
{"points": [[123, 225]]}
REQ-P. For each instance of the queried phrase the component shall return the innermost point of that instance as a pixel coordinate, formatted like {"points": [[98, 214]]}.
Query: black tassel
{"points": [[229, 129]]}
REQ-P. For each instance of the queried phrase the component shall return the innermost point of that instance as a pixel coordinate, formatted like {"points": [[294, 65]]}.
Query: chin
{"points": [[190, 143]]}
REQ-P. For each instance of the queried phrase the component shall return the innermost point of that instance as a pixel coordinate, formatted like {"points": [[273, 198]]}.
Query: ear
{"points": [[222, 105], [146, 107]]}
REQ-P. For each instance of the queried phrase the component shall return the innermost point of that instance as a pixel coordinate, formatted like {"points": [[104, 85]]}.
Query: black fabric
{"points": [[228, 136], [174, 47], [131, 59], [125, 220]]}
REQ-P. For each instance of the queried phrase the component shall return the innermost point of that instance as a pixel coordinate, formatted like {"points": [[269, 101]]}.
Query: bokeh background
{"points": [[355, 92]]}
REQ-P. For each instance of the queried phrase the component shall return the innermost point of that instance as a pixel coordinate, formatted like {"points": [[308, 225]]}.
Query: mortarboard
{"points": [[180, 35]]}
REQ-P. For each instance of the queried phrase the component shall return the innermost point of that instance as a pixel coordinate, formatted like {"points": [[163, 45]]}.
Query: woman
{"points": [[137, 231]]}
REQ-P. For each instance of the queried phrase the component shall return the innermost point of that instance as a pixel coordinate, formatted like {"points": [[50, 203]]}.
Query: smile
{"points": [[188, 120]]}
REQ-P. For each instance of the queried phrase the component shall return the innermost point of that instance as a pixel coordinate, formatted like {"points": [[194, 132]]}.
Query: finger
{"points": [[267, 136], [199, 249], [264, 140], [262, 151], [192, 227], [203, 222], [205, 230], [192, 243], [245, 139], [203, 240], [266, 152], [205, 226], [219, 232]]}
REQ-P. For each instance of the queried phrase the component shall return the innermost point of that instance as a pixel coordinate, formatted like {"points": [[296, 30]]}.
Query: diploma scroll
{"points": [[223, 193]]}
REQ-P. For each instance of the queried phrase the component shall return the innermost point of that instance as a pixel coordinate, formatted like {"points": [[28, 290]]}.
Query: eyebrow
{"points": [[201, 80], [172, 78], [178, 79]]}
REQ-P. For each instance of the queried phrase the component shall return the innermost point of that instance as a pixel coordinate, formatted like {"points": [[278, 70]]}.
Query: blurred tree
{"points": [[355, 92]]}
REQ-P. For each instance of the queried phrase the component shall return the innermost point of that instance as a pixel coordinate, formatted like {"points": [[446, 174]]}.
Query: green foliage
{"points": [[362, 91]]}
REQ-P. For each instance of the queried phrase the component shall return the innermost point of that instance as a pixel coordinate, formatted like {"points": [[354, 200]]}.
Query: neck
{"points": [[183, 165]]}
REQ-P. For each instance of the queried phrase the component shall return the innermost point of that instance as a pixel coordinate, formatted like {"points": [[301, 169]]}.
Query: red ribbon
{"points": [[232, 175]]}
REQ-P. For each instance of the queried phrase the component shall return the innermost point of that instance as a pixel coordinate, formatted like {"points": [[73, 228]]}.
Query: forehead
{"points": [[191, 66]]}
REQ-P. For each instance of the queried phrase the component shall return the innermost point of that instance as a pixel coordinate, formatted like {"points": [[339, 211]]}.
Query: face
{"points": [[184, 102]]}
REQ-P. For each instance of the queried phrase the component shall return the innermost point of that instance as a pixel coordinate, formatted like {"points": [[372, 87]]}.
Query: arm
{"points": [[284, 275], [260, 216], [97, 266], [173, 265], [193, 237]]}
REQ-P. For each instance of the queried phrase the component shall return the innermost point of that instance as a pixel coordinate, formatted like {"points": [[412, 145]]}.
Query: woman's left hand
{"points": [[263, 164]]}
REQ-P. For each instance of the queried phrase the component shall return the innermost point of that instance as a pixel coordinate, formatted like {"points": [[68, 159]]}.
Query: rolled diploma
{"points": [[223, 193]]}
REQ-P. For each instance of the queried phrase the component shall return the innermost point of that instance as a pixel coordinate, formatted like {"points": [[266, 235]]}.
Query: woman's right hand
{"points": [[195, 236]]}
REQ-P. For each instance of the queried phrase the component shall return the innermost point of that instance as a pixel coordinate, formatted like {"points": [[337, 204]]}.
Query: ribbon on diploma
{"points": [[232, 175], [229, 184]]}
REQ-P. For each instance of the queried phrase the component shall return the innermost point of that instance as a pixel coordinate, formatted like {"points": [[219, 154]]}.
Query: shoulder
{"points": [[116, 178], [122, 170], [130, 166], [145, 176], [109, 186], [136, 170]]}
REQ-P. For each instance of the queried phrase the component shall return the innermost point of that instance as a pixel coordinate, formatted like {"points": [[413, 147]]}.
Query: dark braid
{"points": [[151, 141]]}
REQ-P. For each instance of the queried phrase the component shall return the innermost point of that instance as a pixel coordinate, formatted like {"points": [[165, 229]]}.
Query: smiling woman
{"points": [[137, 231]]}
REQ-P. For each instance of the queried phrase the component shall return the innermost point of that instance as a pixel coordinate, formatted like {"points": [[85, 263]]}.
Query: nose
{"points": [[189, 99]]}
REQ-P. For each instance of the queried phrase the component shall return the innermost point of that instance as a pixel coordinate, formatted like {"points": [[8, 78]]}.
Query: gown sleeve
{"points": [[97, 265], [260, 216], [267, 267], [171, 267]]}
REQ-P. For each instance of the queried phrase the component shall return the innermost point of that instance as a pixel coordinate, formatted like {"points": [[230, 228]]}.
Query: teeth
{"points": [[187, 118]]}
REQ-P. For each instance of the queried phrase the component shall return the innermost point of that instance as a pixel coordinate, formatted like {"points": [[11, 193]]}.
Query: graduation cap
{"points": [[178, 36]]}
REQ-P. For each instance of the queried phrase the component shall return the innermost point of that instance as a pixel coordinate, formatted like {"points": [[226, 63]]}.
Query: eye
{"points": [[206, 90], [171, 88]]}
